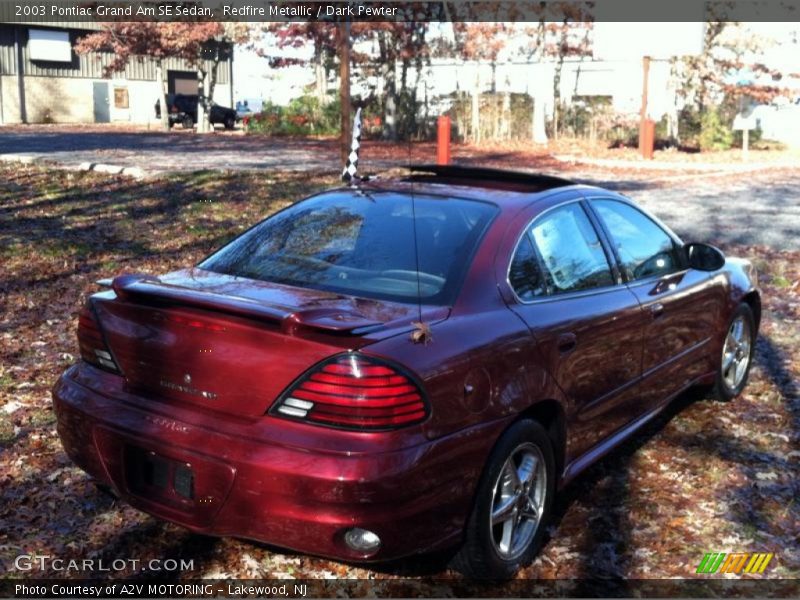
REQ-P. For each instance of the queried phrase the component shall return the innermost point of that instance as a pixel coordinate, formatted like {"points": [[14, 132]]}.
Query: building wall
{"points": [[71, 100], [9, 100], [58, 100], [780, 123]]}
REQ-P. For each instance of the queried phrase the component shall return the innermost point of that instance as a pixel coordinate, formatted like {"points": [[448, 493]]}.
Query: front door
{"points": [[102, 110], [680, 304], [587, 325]]}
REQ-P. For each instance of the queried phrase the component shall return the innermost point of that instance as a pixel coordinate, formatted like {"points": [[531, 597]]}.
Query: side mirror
{"points": [[704, 257]]}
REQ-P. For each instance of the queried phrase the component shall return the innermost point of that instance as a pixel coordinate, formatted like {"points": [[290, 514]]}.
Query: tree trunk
{"points": [[506, 122], [212, 82], [321, 79], [557, 94], [476, 102], [389, 75], [162, 95], [202, 113], [557, 78], [539, 132]]}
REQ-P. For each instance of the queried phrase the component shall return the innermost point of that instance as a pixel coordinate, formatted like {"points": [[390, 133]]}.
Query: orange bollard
{"points": [[443, 140], [648, 139]]}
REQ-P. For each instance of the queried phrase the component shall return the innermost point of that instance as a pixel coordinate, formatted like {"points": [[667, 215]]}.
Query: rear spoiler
{"points": [[151, 289]]}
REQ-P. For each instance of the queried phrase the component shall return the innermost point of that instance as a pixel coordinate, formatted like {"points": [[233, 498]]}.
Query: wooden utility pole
{"points": [[344, 88]]}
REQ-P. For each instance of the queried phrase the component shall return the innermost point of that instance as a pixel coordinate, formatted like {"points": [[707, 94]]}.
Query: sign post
{"points": [[744, 122]]}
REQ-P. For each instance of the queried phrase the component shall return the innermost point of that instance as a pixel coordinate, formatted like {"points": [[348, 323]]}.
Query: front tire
{"points": [[512, 505], [737, 355]]}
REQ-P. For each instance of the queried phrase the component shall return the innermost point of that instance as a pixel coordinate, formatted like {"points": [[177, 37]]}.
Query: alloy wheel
{"points": [[736, 353], [518, 501]]}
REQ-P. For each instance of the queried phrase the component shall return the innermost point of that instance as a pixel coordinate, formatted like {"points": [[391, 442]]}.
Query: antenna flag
{"points": [[351, 166]]}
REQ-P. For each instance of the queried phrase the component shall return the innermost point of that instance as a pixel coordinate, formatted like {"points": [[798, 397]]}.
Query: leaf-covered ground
{"points": [[705, 477]]}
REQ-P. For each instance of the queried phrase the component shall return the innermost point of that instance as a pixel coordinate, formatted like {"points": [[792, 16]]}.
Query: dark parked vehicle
{"points": [[183, 111], [402, 365]]}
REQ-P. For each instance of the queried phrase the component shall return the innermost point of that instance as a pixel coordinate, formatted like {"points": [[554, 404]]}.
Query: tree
{"points": [[321, 36], [563, 31], [729, 74], [399, 45], [478, 42]]}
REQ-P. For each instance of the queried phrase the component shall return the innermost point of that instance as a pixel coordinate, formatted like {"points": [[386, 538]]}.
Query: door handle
{"points": [[567, 342], [657, 310]]}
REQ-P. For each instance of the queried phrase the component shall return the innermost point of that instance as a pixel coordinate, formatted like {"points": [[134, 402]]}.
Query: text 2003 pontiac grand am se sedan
{"points": [[320, 385]]}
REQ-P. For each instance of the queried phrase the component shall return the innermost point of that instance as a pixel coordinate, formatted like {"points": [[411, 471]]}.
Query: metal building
{"points": [[43, 80]]}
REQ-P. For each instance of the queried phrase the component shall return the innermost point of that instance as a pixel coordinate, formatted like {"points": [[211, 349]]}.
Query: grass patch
{"points": [[6, 429], [781, 281]]}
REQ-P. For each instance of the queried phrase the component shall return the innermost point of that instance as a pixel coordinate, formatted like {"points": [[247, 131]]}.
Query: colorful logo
{"points": [[735, 562]]}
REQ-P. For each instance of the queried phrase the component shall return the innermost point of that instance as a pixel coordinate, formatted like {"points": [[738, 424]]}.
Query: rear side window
{"points": [[644, 248], [524, 275], [572, 254], [363, 245]]}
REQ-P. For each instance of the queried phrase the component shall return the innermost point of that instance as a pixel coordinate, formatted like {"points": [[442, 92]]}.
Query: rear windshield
{"points": [[363, 245]]}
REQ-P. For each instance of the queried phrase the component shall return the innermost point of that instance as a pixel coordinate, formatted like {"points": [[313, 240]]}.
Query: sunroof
{"points": [[486, 178]]}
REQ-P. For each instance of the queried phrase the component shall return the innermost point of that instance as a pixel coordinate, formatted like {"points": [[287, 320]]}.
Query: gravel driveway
{"points": [[721, 204], [722, 208]]}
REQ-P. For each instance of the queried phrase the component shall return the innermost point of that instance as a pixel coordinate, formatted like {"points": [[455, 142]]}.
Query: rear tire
{"points": [[229, 123], [188, 122], [512, 505], [737, 355]]}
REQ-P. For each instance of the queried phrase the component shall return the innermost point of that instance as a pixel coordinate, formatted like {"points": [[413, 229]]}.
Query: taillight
{"points": [[90, 339], [354, 392]]}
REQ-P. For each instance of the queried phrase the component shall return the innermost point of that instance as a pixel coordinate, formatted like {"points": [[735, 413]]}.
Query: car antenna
{"points": [[422, 331]]}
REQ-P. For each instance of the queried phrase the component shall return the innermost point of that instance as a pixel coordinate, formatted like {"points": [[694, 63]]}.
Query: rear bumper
{"points": [[245, 484]]}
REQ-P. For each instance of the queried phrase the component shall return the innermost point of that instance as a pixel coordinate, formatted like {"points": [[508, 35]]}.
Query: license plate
{"points": [[151, 472]]}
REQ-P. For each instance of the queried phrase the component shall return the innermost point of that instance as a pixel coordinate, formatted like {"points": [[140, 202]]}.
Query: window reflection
{"points": [[363, 245], [644, 248], [572, 254]]}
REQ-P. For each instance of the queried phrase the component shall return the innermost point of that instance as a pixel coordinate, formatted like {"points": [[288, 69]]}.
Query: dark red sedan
{"points": [[402, 365]]}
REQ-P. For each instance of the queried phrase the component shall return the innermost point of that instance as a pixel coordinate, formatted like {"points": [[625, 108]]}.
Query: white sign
{"points": [[744, 121], [45, 44]]}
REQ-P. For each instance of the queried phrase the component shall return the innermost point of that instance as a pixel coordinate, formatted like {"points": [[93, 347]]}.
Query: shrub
{"points": [[715, 134], [303, 116]]}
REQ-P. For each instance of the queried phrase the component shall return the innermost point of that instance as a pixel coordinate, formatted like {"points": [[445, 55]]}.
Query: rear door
{"points": [[680, 304], [587, 325]]}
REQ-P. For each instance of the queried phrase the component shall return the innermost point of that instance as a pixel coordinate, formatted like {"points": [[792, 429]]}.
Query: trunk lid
{"points": [[232, 344]]}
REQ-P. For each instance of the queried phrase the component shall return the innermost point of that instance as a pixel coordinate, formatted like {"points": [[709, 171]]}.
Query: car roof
{"points": [[507, 189]]}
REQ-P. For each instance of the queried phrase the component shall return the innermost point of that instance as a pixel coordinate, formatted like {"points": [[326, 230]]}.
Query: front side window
{"points": [[571, 253], [363, 245], [644, 249]]}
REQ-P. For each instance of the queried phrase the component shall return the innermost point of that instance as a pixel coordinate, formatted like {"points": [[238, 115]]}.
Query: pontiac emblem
{"points": [[187, 388]]}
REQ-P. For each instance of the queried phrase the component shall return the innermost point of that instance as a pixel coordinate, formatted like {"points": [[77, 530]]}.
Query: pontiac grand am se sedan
{"points": [[401, 365]]}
